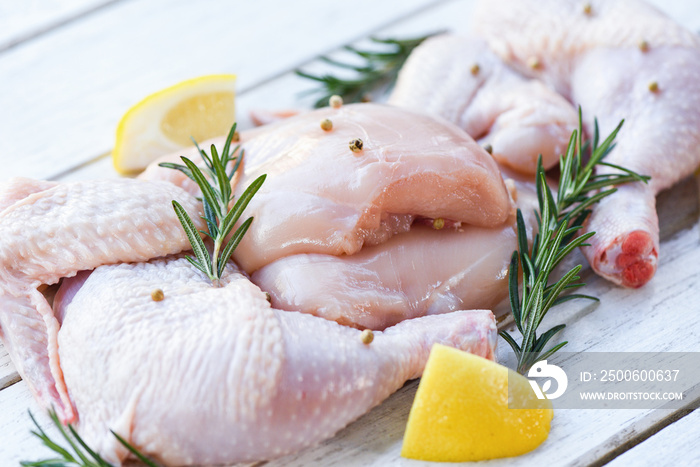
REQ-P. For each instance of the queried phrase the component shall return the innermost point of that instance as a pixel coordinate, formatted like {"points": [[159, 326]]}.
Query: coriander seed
{"points": [[367, 336], [335, 101], [157, 295], [326, 125]]}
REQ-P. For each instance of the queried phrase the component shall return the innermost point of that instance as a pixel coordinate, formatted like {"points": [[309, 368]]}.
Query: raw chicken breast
{"points": [[463, 81], [622, 59], [321, 197], [421, 272], [57, 230], [215, 376]]}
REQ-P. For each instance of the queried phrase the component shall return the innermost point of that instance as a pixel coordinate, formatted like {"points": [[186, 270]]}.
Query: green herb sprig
{"points": [[379, 69], [216, 198], [559, 221], [77, 453]]}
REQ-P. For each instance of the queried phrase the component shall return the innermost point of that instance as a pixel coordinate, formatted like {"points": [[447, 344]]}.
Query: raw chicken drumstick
{"points": [[213, 376], [50, 231], [463, 81], [616, 59]]}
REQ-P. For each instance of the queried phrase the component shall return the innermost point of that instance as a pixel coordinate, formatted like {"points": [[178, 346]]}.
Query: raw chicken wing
{"points": [[463, 81], [50, 231]]}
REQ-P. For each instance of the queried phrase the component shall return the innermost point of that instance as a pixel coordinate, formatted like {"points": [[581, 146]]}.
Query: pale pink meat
{"points": [[463, 81], [56, 231], [622, 59], [213, 376], [321, 197], [421, 272]]}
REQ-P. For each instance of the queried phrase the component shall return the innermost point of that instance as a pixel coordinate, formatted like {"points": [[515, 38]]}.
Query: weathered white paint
{"points": [[63, 93], [674, 445], [98, 66], [25, 20]]}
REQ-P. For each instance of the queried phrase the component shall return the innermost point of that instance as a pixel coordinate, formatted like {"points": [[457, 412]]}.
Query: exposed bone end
{"points": [[638, 259], [629, 261]]}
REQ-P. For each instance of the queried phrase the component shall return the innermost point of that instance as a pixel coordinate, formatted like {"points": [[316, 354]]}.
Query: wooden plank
{"points": [[15, 425], [677, 444], [21, 21], [623, 319], [8, 373], [64, 92]]}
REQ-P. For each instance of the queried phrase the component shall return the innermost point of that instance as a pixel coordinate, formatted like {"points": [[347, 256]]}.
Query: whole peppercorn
{"points": [[356, 145]]}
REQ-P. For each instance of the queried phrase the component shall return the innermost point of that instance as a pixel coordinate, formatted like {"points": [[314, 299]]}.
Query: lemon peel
{"points": [[165, 121], [461, 412]]}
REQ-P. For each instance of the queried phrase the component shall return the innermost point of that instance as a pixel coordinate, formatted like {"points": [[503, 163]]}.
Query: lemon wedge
{"points": [[199, 108], [461, 412]]}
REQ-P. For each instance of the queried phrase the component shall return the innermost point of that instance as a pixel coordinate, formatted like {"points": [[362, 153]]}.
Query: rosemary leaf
{"points": [[134, 451], [233, 243], [235, 213], [379, 68], [559, 222], [216, 199], [84, 455], [180, 167], [198, 247], [207, 190]]}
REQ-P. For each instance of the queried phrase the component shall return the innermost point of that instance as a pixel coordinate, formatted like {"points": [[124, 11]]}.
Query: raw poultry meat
{"points": [[463, 81], [50, 231], [321, 197], [215, 376], [421, 272], [616, 59]]}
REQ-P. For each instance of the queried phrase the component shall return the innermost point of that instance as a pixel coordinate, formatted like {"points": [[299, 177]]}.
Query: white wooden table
{"points": [[70, 68]]}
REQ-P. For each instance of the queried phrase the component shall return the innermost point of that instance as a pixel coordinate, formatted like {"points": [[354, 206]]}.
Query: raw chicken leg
{"points": [[215, 376], [463, 81], [321, 197], [54, 232], [617, 59]]}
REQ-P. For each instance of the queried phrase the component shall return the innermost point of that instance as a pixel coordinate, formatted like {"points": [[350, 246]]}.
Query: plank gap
{"points": [[644, 435], [370, 33], [52, 26], [270, 79], [82, 165]]}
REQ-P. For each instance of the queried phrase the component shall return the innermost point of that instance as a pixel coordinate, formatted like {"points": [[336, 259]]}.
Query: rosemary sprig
{"points": [[559, 221], [379, 69], [216, 198], [77, 453]]}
